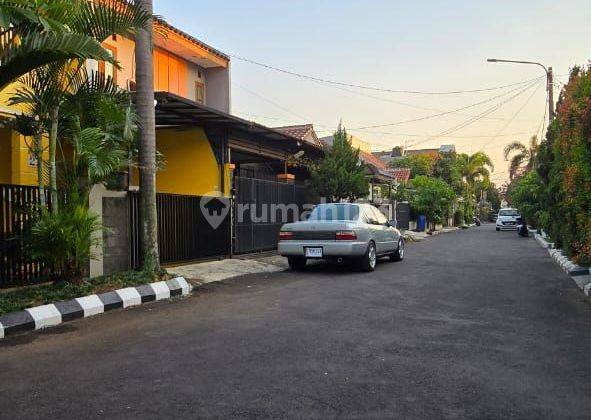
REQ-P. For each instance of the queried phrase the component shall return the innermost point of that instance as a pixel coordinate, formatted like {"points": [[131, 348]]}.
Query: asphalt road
{"points": [[475, 323]]}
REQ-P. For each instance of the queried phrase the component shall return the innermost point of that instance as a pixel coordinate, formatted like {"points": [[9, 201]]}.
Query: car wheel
{"points": [[296, 263], [498, 229], [399, 254], [369, 260]]}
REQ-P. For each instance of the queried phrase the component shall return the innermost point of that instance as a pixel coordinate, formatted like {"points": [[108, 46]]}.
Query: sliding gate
{"points": [[189, 228], [260, 208]]}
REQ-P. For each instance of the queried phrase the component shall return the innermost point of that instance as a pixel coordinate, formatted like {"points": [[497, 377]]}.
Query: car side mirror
{"points": [[392, 223]]}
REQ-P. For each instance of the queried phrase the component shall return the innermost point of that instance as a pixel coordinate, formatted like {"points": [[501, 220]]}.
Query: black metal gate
{"points": [[189, 228], [18, 205], [260, 208], [403, 215]]}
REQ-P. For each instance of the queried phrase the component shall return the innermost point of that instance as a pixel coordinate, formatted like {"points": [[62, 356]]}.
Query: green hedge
{"points": [[564, 168]]}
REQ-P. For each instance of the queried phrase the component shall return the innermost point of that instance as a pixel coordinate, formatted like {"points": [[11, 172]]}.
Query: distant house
{"points": [[402, 175], [387, 156], [428, 152], [398, 152], [304, 132], [447, 148]]}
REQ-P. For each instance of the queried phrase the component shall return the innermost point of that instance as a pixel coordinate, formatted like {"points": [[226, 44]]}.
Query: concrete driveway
{"points": [[473, 324]]}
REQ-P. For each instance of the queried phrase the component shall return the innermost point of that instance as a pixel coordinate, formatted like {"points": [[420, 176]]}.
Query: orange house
{"points": [[208, 153], [183, 66]]}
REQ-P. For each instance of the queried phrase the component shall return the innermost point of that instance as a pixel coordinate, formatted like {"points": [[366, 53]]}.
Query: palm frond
{"points": [[108, 17], [481, 159], [514, 146], [35, 50], [516, 162]]}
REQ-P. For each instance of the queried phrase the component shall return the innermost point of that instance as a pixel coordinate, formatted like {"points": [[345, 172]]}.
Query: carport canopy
{"points": [[243, 135]]}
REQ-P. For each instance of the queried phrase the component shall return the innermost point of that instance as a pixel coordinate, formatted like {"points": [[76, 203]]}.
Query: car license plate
{"points": [[313, 252]]}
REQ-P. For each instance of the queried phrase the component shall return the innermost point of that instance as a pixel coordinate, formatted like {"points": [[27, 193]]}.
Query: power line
{"points": [[490, 110], [362, 94], [512, 118], [427, 117], [329, 128], [373, 88], [476, 118], [279, 106]]}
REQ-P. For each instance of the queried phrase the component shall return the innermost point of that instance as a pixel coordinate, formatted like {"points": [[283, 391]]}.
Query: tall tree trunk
{"points": [[147, 138], [54, 115], [39, 156]]}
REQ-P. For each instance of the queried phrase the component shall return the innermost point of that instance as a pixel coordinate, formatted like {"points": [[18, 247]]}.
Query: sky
{"points": [[424, 46]]}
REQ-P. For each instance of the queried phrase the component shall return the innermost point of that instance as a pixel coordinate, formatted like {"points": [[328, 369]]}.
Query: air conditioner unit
{"points": [[131, 85]]}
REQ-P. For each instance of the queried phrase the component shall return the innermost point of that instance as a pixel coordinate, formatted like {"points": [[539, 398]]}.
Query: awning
{"points": [[174, 110]]}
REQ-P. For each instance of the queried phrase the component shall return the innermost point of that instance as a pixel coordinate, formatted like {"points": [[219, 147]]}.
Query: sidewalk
{"points": [[211, 271], [419, 236]]}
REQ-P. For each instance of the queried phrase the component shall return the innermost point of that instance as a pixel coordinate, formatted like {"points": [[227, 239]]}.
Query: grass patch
{"points": [[17, 300]]}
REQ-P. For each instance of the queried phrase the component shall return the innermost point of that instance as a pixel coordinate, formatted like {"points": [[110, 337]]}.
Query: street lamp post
{"points": [[549, 81]]}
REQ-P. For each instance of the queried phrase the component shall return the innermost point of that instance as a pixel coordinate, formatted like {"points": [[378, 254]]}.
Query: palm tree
{"points": [[100, 124], [45, 87], [40, 94], [525, 155], [147, 141], [475, 167]]}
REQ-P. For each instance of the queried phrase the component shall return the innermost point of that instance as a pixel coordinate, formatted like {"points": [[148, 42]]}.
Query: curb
{"points": [[544, 244], [567, 265], [580, 275], [44, 316]]}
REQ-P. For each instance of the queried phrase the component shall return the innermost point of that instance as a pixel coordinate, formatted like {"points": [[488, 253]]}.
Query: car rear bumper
{"points": [[507, 227], [329, 248]]}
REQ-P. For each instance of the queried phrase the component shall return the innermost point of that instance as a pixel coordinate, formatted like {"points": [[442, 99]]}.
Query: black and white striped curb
{"points": [[580, 275], [543, 242], [56, 313], [567, 265]]}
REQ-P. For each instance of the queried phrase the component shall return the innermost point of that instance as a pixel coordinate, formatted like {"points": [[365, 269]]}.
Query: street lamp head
{"points": [[492, 60]]}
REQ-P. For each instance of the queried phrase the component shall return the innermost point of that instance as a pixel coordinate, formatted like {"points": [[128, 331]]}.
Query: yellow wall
{"points": [[191, 166], [362, 145], [6, 94], [14, 159]]}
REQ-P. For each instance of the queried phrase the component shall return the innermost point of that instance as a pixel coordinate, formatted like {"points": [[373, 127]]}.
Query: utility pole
{"points": [[549, 82]]}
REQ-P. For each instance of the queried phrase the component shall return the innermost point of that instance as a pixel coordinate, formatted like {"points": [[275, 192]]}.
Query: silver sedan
{"points": [[342, 230]]}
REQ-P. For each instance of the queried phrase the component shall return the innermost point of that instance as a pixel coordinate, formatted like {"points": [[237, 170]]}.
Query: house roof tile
{"points": [[303, 132]]}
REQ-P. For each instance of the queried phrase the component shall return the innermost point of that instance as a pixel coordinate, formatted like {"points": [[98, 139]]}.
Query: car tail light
{"points": [[346, 235], [285, 235]]}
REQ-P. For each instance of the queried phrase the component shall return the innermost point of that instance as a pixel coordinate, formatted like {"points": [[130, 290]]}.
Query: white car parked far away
{"points": [[508, 219]]}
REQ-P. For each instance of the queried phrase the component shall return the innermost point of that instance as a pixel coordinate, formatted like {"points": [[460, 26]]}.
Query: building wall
{"points": [[362, 145], [15, 164], [174, 74], [218, 88], [191, 166]]}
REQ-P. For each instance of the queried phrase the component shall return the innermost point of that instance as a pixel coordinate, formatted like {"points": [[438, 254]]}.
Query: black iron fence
{"points": [[18, 204], [189, 228], [261, 207]]}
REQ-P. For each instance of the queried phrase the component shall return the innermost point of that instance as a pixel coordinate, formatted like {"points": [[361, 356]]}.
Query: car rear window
{"points": [[329, 212]]}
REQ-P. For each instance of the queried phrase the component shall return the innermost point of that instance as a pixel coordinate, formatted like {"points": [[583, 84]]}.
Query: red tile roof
{"points": [[401, 174], [370, 159], [303, 132]]}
